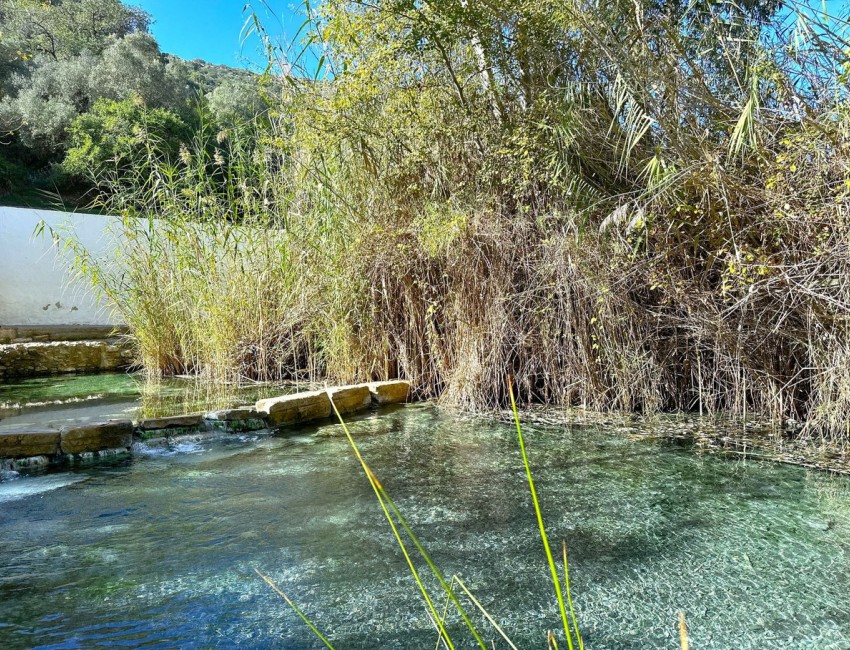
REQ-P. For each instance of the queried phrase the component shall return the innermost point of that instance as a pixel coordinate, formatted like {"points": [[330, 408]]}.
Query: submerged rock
{"points": [[97, 456], [16, 465]]}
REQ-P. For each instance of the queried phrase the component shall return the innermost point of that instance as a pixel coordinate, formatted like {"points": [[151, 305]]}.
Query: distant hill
{"points": [[77, 77]]}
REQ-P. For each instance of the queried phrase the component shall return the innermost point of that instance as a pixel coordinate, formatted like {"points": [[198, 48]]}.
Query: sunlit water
{"points": [[70, 399], [160, 551]]}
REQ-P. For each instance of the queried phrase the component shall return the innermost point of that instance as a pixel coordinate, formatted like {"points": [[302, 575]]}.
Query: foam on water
{"points": [[30, 486]]}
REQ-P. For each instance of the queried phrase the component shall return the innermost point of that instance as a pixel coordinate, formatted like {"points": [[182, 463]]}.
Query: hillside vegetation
{"points": [[633, 205], [76, 77]]}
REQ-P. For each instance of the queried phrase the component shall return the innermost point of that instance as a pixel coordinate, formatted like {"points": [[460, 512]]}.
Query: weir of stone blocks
{"points": [[86, 442]]}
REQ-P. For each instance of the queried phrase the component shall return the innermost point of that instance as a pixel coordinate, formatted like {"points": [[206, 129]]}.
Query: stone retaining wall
{"points": [[36, 448], [38, 359]]}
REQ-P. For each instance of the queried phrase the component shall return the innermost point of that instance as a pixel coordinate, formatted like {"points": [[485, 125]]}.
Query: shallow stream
{"points": [[160, 550]]}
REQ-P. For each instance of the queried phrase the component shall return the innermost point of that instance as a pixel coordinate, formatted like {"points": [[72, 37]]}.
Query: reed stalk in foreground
{"points": [[683, 632], [295, 608], [553, 569]]}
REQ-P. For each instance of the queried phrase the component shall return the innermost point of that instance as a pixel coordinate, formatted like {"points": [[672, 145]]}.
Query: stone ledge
{"points": [[23, 444], [290, 409], [97, 437], [38, 359], [36, 448], [9, 333], [389, 392], [351, 399], [195, 420]]}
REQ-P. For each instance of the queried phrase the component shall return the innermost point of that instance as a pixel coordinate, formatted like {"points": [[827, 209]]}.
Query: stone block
{"points": [[350, 399], [97, 437], [238, 420], [389, 392], [23, 444], [301, 407], [193, 421], [229, 415]]}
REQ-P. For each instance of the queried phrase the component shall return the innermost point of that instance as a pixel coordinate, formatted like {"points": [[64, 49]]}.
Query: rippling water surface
{"points": [[160, 551]]}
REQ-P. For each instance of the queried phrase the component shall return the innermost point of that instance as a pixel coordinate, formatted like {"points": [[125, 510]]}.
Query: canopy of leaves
{"points": [[61, 29], [114, 134]]}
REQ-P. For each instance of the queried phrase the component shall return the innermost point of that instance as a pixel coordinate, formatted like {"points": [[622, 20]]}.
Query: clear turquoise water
{"points": [[160, 551]]}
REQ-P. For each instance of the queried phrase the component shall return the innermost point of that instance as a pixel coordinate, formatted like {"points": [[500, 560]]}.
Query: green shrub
{"points": [[115, 134]]}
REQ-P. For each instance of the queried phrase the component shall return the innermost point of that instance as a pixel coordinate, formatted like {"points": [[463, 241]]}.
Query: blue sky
{"points": [[211, 29]]}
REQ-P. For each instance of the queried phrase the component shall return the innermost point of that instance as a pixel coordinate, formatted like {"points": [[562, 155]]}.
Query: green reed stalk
{"points": [[484, 612], [570, 599], [389, 509], [434, 569], [552, 567], [294, 607], [384, 500], [683, 632], [444, 617]]}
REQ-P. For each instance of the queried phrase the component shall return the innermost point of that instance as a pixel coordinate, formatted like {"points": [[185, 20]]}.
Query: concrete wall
{"points": [[36, 283]]}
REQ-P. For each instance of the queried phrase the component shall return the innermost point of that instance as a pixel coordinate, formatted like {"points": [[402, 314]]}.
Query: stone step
{"points": [[74, 442], [35, 442], [86, 438]]}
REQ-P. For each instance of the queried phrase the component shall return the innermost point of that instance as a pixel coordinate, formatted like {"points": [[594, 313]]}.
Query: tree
{"points": [[45, 101], [134, 65], [62, 29], [115, 134], [237, 100], [58, 58]]}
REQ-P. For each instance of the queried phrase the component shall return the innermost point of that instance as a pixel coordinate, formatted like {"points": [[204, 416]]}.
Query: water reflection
{"points": [[58, 401]]}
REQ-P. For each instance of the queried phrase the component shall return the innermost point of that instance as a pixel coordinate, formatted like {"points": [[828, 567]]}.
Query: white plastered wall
{"points": [[37, 287]]}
